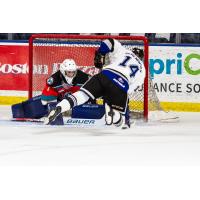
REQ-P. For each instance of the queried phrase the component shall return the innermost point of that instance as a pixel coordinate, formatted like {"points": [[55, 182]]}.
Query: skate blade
{"points": [[47, 119]]}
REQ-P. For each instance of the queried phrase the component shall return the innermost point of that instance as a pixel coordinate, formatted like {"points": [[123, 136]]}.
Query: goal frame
{"points": [[100, 37]]}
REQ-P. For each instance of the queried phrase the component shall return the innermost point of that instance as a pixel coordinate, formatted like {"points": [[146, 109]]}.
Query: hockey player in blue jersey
{"points": [[121, 73]]}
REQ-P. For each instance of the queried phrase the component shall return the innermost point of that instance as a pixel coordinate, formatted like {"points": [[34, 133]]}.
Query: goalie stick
{"points": [[27, 120]]}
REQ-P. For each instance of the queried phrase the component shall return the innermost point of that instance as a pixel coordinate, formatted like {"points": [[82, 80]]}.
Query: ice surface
{"points": [[143, 144]]}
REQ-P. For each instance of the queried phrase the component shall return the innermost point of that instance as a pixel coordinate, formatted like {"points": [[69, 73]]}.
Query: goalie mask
{"points": [[68, 68]]}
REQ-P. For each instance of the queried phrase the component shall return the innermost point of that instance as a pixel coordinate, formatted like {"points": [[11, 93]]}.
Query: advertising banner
{"points": [[14, 67], [13, 72], [175, 71]]}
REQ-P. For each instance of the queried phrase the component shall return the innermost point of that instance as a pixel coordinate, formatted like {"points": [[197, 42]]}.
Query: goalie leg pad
{"points": [[88, 111], [31, 108], [17, 110]]}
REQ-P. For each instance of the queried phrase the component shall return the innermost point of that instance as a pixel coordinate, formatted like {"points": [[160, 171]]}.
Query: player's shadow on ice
{"points": [[70, 131]]}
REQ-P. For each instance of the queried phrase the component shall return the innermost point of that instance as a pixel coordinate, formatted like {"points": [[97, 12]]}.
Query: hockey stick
{"points": [[27, 120]]}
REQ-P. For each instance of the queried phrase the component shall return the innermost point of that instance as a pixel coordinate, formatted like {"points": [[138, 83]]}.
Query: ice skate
{"points": [[52, 115]]}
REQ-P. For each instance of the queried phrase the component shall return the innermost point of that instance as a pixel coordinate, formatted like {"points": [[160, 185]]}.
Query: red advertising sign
{"points": [[14, 67], [46, 60]]}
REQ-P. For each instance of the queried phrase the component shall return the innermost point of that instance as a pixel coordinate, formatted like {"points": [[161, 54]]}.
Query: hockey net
{"points": [[47, 52]]}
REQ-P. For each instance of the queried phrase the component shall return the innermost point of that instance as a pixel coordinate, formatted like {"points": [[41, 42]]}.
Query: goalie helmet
{"points": [[68, 66]]}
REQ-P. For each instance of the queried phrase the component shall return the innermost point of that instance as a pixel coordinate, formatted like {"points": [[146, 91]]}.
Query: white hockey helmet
{"points": [[68, 65]]}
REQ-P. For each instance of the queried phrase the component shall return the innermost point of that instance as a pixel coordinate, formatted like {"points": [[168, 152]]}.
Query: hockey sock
{"points": [[81, 97], [67, 103], [127, 117], [72, 100]]}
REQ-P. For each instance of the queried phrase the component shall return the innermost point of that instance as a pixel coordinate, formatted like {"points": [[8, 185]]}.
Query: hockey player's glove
{"points": [[70, 90], [99, 60]]}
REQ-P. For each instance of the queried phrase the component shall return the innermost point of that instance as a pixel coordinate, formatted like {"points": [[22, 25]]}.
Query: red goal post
{"points": [[45, 46]]}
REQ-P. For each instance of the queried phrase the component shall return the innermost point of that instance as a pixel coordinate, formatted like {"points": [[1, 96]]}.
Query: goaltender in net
{"points": [[68, 79]]}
